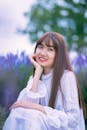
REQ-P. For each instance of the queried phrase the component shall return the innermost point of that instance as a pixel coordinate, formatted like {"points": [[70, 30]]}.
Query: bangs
{"points": [[48, 41]]}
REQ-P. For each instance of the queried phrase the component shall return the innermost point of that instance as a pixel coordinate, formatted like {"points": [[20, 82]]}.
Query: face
{"points": [[45, 56]]}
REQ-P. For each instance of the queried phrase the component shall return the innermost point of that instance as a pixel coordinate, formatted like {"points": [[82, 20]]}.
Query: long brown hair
{"points": [[61, 63]]}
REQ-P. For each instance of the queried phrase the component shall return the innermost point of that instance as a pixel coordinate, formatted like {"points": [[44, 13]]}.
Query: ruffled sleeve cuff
{"points": [[56, 119]]}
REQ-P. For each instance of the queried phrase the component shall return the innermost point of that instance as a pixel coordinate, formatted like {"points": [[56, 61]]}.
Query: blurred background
{"points": [[22, 22]]}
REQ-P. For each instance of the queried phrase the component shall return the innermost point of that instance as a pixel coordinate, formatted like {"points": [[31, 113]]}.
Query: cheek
{"points": [[37, 52], [53, 60], [53, 57]]}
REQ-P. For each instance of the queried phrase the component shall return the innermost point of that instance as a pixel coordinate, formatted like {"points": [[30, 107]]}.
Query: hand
{"points": [[24, 104], [28, 105], [36, 64]]}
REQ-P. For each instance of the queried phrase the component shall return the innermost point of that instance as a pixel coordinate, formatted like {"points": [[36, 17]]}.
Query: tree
{"points": [[64, 16]]}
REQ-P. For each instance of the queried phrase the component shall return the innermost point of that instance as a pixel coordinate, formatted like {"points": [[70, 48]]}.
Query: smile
{"points": [[42, 59]]}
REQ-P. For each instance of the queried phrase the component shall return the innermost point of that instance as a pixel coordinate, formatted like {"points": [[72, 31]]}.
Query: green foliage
{"points": [[82, 77], [66, 17], [3, 114], [24, 73], [11, 85], [14, 74]]}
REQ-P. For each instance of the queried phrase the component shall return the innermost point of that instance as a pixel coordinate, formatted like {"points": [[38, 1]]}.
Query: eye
{"points": [[50, 49], [40, 46]]}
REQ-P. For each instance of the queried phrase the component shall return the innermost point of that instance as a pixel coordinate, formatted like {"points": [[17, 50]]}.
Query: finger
{"points": [[11, 106], [32, 58], [14, 105]]}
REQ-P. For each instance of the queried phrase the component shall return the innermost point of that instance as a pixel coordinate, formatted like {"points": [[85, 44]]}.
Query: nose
{"points": [[43, 52]]}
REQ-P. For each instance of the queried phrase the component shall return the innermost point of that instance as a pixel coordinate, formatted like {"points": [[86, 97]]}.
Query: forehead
{"points": [[48, 41], [48, 44]]}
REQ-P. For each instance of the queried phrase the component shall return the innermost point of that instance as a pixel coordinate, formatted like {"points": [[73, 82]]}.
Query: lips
{"points": [[42, 59]]}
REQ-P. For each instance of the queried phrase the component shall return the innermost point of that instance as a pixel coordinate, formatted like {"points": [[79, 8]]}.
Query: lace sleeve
{"points": [[34, 96]]}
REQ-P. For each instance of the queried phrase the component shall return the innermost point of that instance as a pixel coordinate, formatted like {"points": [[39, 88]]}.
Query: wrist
{"points": [[38, 71], [39, 107], [36, 79]]}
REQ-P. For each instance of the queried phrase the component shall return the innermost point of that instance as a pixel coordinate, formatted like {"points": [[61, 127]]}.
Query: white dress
{"points": [[66, 116]]}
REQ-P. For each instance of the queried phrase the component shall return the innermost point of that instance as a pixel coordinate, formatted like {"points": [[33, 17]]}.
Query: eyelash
{"points": [[50, 49], [41, 47]]}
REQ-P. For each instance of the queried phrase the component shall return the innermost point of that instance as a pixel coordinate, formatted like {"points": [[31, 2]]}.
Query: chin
{"points": [[41, 64]]}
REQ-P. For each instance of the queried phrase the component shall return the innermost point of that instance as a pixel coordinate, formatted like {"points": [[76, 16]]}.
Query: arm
{"points": [[35, 88], [70, 96], [37, 75], [70, 116], [28, 105]]}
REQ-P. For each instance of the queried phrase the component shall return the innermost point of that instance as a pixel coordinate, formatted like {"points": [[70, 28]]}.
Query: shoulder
{"points": [[68, 75], [68, 79]]}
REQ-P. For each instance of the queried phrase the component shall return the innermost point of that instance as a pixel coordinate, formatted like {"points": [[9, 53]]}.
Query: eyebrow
{"points": [[47, 45]]}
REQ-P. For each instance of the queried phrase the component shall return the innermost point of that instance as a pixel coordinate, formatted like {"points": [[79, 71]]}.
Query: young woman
{"points": [[52, 98]]}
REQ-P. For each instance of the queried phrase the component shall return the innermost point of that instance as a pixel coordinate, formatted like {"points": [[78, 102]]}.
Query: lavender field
{"points": [[15, 71]]}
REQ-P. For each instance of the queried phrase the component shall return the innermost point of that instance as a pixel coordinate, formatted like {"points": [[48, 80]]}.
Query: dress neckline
{"points": [[46, 76]]}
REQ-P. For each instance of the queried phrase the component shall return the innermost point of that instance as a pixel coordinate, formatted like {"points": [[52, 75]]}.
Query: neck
{"points": [[46, 71]]}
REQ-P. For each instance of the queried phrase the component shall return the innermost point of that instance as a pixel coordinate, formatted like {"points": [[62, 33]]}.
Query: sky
{"points": [[11, 18]]}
